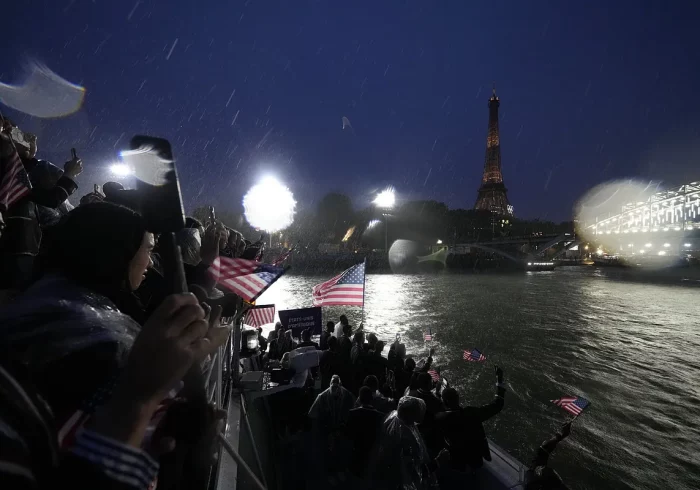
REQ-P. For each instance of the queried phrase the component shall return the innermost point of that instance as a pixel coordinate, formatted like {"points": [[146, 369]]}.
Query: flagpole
{"points": [[364, 283]]}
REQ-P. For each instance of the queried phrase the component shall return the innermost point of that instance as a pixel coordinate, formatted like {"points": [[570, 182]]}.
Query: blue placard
{"points": [[301, 319]]}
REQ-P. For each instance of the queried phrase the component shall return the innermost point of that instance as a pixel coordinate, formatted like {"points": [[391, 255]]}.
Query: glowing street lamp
{"points": [[386, 200], [269, 205]]}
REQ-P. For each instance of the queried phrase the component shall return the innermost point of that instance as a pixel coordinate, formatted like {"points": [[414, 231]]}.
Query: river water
{"points": [[631, 348]]}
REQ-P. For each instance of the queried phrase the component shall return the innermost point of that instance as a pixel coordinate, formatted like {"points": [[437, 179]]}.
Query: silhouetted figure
{"points": [[329, 415], [364, 423], [379, 401], [375, 363], [540, 476], [433, 406], [402, 460], [345, 344], [306, 340], [262, 341], [328, 333], [403, 370], [340, 326], [330, 363], [462, 427]]}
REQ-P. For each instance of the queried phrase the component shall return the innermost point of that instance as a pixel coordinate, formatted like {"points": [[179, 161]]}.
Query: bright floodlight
{"points": [[269, 205], [120, 170], [386, 198]]}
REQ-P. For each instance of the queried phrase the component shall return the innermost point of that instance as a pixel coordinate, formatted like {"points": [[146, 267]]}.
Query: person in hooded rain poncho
{"points": [[329, 414], [69, 331], [402, 460]]}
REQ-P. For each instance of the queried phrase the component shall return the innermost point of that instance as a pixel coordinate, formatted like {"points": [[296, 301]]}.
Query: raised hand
{"points": [[73, 167], [499, 373]]}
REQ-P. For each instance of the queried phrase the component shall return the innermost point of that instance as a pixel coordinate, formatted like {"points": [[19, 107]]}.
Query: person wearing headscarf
{"points": [[70, 330], [402, 460]]}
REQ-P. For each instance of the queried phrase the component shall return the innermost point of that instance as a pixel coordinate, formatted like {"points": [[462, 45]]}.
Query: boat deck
{"points": [[288, 463]]}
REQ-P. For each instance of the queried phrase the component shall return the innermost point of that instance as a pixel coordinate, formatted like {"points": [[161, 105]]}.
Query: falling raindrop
{"points": [[171, 48], [128, 17]]}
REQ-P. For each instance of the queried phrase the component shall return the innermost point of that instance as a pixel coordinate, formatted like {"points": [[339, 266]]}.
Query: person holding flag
{"points": [[462, 427], [21, 239], [540, 476]]}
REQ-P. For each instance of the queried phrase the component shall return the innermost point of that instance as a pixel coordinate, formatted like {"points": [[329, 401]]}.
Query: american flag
{"points": [[260, 315], [283, 256], [14, 181], [474, 356], [67, 432], [345, 289], [428, 336], [434, 374], [572, 404], [247, 278]]}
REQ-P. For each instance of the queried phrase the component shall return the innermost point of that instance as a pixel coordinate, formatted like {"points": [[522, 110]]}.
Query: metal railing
{"points": [[222, 378]]}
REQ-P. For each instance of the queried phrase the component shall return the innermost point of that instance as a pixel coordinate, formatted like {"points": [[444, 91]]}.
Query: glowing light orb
{"points": [[121, 170], [385, 199], [269, 205]]}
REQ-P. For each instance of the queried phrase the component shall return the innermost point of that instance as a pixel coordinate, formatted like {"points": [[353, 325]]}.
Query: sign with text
{"points": [[302, 319]]}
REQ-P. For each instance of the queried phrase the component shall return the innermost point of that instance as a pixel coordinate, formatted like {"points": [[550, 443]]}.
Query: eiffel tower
{"points": [[492, 193]]}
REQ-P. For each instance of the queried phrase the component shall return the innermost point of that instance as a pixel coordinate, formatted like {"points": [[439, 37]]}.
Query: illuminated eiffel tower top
{"points": [[493, 193]]}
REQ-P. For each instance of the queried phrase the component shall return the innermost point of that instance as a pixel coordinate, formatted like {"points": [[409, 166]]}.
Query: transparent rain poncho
{"points": [[190, 244], [402, 459]]}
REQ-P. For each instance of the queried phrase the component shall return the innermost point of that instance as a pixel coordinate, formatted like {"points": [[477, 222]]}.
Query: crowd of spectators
{"points": [[101, 382], [101, 359]]}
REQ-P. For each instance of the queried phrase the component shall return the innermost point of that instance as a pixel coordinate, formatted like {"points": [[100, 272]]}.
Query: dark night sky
{"points": [[589, 92]]}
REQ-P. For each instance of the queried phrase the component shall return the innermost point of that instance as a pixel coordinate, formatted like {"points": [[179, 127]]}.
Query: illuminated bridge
{"points": [[666, 223], [677, 210]]}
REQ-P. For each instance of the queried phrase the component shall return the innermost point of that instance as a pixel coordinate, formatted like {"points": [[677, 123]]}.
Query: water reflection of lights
{"points": [[393, 304]]}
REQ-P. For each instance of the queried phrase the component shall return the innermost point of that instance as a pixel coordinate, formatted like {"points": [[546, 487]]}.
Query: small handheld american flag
{"points": [[428, 336], [434, 374], [247, 278], [260, 315], [572, 404], [474, 356], [14, 181], [283, 256]]}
